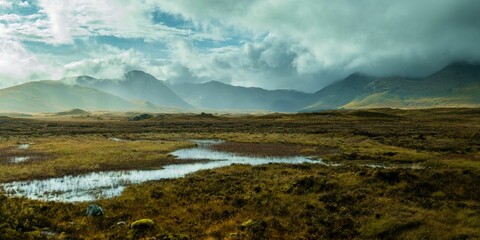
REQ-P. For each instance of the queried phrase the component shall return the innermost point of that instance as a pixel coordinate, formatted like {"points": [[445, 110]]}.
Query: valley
{"points": [[455, 85], [233, 120]]}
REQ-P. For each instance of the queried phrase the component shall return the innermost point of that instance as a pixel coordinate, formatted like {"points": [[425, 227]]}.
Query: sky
{"points": [[274, 44]]}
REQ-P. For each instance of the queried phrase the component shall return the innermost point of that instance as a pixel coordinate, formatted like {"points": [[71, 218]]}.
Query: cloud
{"points": [[67, 20], [57, 12], [18, 65], [5, 4], [269, 63], [24, 4], [268, 43], [383, 38], [109, 62]]}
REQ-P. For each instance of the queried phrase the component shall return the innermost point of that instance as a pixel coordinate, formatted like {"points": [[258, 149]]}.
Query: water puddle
{"points": [[23, 146], [117, 139], [19, 159], [97, 185], [414, 166]]}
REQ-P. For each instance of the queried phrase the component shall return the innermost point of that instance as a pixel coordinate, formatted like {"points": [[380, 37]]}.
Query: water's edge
{"points": [[97, 185]]}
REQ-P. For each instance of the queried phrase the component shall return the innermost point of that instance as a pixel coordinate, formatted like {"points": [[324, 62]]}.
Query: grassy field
{"points": [[439, 200]]}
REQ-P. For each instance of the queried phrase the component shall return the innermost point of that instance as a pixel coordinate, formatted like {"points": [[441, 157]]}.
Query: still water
{"points": [[97, 185]]}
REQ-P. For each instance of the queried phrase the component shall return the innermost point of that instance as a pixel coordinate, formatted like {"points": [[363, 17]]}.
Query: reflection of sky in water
{"points": [[19, 159], [97, 185], [23, 146]]}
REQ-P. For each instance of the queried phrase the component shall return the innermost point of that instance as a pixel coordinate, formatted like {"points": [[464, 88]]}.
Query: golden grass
{"points": [[277, 201], [81, 154]]}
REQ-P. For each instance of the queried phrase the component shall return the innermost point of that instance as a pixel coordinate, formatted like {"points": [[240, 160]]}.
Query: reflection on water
{"points": [[414, 166], [23, 146], [19, 159], [117, 139], [97, 185]]}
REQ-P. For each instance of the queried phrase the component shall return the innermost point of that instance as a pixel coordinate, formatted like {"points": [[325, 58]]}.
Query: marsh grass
{"points": [[82, 154], [282, 201], [274, 201]]}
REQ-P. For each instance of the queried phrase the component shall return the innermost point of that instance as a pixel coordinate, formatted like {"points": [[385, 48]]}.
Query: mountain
{"points": [[456, 85], [55, 96], [217, 95], [340, 93], [136, 85]]}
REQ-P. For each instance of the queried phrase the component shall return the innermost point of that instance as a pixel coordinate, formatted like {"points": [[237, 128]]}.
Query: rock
{"points": [[141, 117], [142, 224], [94, 210]]}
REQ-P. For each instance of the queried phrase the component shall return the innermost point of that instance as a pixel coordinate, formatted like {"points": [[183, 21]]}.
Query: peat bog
{"points": [[404, 174]]}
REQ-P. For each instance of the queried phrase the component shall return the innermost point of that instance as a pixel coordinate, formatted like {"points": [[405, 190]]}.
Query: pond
{"points": [[97, 185]]}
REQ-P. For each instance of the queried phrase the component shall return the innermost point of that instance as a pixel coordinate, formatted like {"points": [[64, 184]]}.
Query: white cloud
{"points": [[24, 4], [120, 18], [269, 63], [5, 4], [112, 63], [18, 65], [11, 17], [58, 15]]}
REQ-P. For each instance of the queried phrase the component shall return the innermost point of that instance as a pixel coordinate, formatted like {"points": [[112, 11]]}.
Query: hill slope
{"points": [[54, 96], [136, 85], [340, 93], [217, 95], [456, 85]]}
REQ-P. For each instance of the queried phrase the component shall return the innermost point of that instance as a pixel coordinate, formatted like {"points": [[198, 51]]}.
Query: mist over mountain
{"points": [[136, 85], [220, 96], [456, 85], [340, 93]]}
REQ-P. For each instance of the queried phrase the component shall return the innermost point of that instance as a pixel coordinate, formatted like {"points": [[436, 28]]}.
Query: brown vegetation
{"points": [[274, 201]]}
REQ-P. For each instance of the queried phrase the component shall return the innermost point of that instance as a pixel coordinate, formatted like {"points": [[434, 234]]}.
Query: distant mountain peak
{"points": [[213, 82], [138, 74], [85, 77], [458, 70], [461, 64], [356, 75]]}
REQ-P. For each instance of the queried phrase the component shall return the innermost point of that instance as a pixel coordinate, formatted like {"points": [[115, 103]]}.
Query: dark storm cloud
{"points": [[330, 39]]}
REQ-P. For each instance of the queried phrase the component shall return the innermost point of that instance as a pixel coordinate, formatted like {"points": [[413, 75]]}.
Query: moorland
{"points": [[391, 174]]}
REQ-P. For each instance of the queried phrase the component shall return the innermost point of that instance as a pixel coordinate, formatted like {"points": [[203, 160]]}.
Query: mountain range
{"points": [[456, 85], [221, 96]]}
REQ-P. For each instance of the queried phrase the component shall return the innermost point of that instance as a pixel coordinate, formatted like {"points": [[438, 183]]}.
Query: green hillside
{"points": [[340, 93], [54, 96], [456, 85]]}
